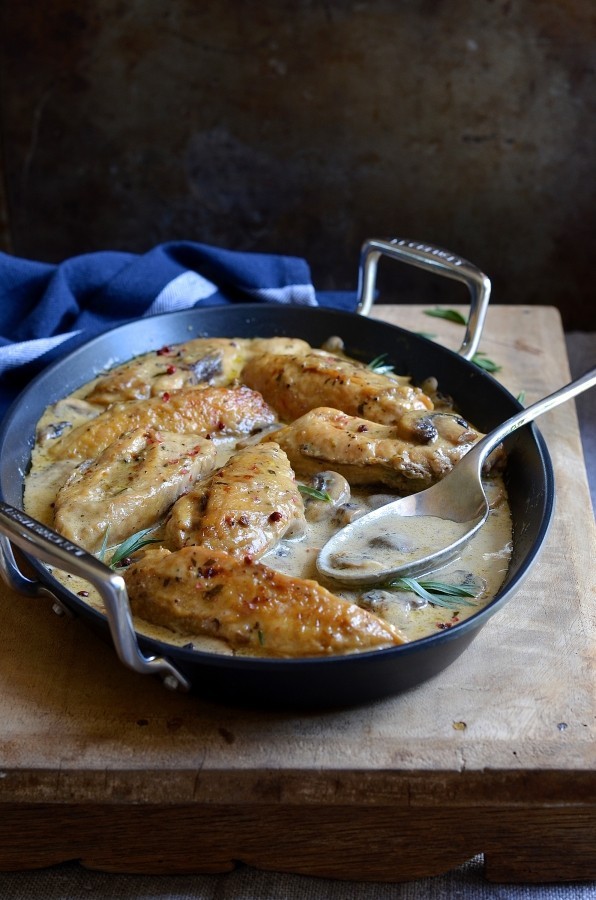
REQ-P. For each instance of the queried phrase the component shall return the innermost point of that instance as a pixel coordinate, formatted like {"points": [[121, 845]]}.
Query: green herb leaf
{"points": [[449, 596], [521, 397], [452, 315], [379, 365], [132, 544], [104, 545], [450, 590], [307, 491], [481, 360], [410, 584]]}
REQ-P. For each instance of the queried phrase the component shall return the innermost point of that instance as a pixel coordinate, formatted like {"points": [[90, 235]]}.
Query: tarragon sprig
{"points": [[308, 491], [379, 365], [450, 596], [131, 545], [452, 315], [482, 360], [104, 545]]}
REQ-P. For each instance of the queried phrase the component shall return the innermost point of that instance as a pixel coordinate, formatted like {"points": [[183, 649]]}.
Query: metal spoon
{"points": [[454, 509]]}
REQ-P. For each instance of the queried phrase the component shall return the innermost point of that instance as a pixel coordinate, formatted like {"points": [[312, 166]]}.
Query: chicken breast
{"points": [[245, 508], [210, 412], [410, 456], [196, 591], [130, 486], [207, 361], [286, 346], [295, 384]]}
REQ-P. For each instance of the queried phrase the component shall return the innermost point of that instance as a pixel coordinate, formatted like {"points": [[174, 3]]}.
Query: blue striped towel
{"points": [[47, 310]]}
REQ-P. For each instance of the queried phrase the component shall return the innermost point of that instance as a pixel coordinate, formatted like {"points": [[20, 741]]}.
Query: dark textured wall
{"points": [[305, 127]]}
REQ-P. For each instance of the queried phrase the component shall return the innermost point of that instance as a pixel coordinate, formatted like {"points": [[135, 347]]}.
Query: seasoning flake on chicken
{"points": [[213, 412], [244, 508], [196, 591], [295, 384], [410, 456], [130, 486]]}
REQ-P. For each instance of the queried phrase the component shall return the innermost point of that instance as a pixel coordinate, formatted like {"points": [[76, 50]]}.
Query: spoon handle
{"points": [[482, 449]]}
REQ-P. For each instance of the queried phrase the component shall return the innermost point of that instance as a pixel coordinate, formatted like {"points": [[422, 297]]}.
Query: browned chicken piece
{"points": [[410, 456], [286, 346], [295, 384], [207, 361], [130, 486], [196, 591], [245, 508], [213, 412]]}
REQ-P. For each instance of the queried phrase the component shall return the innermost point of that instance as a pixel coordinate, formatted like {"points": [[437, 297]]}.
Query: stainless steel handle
{"points": [[53, 548], [432, 259]]}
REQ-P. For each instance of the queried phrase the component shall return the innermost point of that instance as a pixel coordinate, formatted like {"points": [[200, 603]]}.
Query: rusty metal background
{"points": [[304, 127]]}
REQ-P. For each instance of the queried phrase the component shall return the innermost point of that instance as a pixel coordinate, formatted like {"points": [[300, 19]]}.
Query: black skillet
{"points": [[337, 680]]}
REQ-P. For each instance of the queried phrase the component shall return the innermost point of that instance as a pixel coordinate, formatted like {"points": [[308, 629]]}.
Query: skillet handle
{"points": [[53, 548], [432, 259]]}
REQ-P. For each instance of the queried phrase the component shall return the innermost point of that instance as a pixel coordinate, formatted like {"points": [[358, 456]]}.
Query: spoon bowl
{"points": [[417, 534]]}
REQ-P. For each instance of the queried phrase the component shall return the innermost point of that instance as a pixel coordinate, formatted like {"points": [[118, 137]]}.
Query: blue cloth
{"points": [[47, 310]]}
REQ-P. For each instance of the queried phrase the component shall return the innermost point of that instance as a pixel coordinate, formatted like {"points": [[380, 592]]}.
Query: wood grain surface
{"points": [[495, 755]]}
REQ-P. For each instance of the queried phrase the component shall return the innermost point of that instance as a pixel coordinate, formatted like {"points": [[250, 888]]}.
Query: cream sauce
{"points": [[411, 538], [481, 566]]}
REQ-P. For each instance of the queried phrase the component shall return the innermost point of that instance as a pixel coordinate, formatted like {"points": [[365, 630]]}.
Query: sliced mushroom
{"points": [[380, 601], [418, 427], [450, 425], [207, 367], [465, 578], [52, 431], [348, 513], [334, 486], [65, 413], [426, 427]]}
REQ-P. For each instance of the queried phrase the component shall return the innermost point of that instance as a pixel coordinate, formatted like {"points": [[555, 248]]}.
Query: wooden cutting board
{"points": [[496, 755]]}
